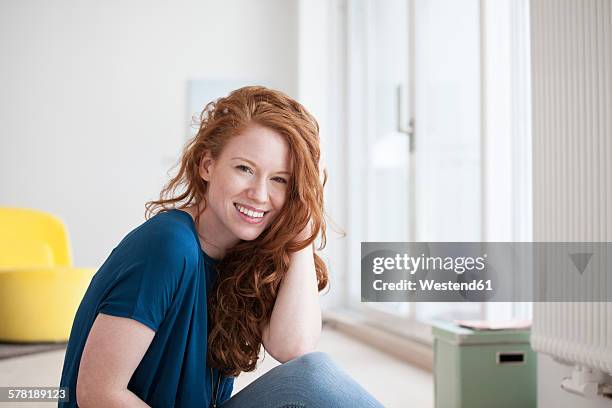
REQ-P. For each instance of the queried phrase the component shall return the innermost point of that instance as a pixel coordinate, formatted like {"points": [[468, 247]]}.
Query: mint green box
{"points": [[483, 369]]}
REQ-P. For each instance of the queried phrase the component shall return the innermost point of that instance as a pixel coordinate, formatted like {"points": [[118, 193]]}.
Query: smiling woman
{"points": [[219, 269], [249, 187]]}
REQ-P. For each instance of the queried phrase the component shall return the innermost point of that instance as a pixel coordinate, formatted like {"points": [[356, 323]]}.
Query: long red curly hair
{"points": [[250, 273]]}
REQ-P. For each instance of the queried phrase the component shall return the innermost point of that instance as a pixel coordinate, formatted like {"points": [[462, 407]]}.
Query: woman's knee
{"points": [[316, 380], [315, 367], [314, 357], [315, 360]]}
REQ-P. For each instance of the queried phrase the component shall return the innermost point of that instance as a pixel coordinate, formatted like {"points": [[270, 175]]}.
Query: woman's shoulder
{"points": [[166, 234]]}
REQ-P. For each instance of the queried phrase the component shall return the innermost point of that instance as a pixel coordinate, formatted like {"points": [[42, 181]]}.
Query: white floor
{"points": [[395, 384]]}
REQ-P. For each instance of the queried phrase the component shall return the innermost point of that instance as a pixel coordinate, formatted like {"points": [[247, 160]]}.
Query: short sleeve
{"points": [[150, 268]]}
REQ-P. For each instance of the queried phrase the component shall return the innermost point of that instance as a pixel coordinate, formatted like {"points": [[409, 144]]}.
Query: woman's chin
{"points": [[248, 235]]}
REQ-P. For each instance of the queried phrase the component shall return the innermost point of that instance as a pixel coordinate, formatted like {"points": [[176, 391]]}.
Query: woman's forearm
{"points": [[295, 323]]}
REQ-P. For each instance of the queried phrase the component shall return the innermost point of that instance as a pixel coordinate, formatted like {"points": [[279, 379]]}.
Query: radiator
{"points": [[571, 54]]}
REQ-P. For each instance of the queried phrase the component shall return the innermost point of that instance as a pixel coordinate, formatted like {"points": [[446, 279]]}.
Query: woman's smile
{"points": [[250, 214]]}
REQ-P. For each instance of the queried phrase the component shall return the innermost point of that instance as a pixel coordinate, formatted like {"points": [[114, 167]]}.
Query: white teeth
{"points": [[250, 213]]}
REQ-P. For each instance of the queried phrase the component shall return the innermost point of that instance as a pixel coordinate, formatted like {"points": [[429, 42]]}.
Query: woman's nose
{"points": [[258, 191]]}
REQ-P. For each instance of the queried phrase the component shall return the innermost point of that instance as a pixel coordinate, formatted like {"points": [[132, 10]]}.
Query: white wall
{"points": [[93, 98]]}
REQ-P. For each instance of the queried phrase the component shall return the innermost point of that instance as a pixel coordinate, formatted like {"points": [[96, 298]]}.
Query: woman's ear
{"points": [[206, 166]]}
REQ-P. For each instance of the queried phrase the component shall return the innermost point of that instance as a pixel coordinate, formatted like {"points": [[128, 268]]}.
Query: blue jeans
{"points": [[312, 380]]}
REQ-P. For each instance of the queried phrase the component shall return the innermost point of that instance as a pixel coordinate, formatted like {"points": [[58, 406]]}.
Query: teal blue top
{"points": [[159, 276]]}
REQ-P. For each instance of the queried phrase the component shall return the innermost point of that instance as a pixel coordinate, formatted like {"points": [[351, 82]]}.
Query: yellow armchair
{"points": [[40, 291]]}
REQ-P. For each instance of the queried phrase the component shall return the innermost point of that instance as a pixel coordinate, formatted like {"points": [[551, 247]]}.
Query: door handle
{"points": [[408, 130]]}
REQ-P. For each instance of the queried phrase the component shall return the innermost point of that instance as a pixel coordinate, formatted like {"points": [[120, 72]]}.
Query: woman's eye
{"points": [[280, 180], [244, 168]]}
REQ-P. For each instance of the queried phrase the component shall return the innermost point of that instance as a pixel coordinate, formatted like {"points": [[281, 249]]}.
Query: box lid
{"points": [[450, 332]]}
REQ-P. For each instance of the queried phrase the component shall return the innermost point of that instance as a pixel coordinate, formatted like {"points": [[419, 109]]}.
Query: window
{"points": [[425, 159]]}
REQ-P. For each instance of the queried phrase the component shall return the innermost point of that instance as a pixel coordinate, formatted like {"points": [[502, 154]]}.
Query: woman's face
{"points": [[247, 184]]}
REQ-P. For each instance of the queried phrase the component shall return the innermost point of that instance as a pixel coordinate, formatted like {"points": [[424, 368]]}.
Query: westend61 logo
{"points": [[486, 271], [413, 264]]}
